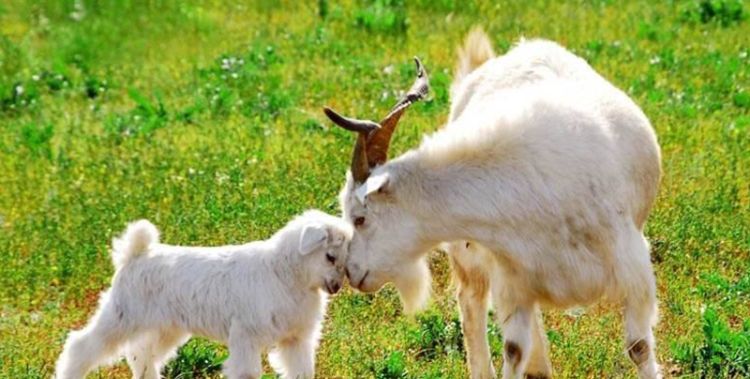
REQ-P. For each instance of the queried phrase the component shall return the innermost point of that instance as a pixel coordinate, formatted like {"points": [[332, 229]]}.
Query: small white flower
{"points": [[35, 78], [221, 178], [575, 312], [655, 60], [19, 90], [79, 11], [388, 69], [43, 21]]}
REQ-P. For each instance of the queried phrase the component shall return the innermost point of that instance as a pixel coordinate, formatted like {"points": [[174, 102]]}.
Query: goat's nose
{"points": [[354, 269]]}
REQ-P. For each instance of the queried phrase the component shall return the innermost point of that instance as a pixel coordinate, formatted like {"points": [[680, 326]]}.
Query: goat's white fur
{"points": [[256, 296], [548, 168]]}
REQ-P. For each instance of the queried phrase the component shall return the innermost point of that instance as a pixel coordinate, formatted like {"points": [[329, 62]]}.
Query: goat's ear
{"points": [[374, 184], [312, 238]]}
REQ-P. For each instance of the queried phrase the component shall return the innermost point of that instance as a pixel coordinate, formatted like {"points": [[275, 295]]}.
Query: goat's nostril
{"points": [[346, 269]]}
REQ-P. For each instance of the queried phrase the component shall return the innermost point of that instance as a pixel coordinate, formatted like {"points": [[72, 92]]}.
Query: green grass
{"points": [[206, 119]]}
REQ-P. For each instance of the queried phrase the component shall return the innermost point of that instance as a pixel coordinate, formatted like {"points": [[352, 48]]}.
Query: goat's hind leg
{"points": [[97, 342], [640, 307]]}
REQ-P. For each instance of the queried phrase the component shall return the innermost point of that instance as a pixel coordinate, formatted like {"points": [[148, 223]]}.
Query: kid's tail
{"points": [[136, 240], [476, 50]]}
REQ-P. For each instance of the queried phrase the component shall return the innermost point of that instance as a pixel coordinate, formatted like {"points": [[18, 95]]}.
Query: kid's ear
{"points": [[312, 238], [374, 184]]}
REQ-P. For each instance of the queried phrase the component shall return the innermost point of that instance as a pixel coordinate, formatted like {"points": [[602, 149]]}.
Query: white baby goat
{"points": [[254, 296]]}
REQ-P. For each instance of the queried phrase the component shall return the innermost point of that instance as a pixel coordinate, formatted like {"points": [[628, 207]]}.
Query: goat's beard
{"points": [[413, 283]]}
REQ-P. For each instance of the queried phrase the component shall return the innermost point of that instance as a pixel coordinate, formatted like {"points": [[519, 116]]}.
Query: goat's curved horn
{"points": [[380, 140], [350, 124], [359, 167]]}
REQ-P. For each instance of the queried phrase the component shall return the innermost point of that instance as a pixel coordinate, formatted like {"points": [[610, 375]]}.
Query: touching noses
{"points": [[351, 268], [335, 287], [355, 275]]}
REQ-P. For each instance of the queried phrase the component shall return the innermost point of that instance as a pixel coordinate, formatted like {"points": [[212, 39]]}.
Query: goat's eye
{"points": [[359, 221], [330, 258]]}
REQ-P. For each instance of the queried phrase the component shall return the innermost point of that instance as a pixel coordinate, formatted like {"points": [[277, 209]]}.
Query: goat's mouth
{"points": [[332, 287], [362, 281]]}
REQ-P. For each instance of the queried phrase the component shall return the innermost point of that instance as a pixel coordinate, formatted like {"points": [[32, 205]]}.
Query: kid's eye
{"points": [[359, 221], [330, 258]]}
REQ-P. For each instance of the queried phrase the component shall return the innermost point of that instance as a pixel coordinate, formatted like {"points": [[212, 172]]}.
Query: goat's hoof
{"points": [[536, 376]]}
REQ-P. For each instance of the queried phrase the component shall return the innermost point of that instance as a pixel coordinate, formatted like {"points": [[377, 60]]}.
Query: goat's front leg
{"points": [[539, 366], [244, 356], [516, 321], [295, 358], [472, 292]]}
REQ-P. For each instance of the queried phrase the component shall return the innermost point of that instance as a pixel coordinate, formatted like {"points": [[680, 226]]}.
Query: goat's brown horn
{"points": [[359, 167], [380, 140], [351, 124]]}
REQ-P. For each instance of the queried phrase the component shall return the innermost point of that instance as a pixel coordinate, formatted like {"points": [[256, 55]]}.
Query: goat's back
{"points": [[534, 71]]}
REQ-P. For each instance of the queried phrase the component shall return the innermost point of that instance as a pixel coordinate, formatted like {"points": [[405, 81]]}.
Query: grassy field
{"points": [[206, 120]]}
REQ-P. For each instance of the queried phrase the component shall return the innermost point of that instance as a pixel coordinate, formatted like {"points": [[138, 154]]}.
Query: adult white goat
{"points": [[546, 166]]}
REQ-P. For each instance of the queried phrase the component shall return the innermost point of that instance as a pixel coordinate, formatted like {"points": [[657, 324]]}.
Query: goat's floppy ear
{"points": [[312, 238], [374, 184]]}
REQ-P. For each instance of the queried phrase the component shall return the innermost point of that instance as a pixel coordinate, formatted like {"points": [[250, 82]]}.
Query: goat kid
{"points": [[253, 296]]}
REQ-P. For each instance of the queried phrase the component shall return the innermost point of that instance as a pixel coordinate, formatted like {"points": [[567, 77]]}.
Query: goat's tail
{"points": [[476, 50], [134, 242]]}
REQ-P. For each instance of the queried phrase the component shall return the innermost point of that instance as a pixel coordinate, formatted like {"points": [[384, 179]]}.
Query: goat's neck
{"points": [[282, 256], [451, 201]]}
